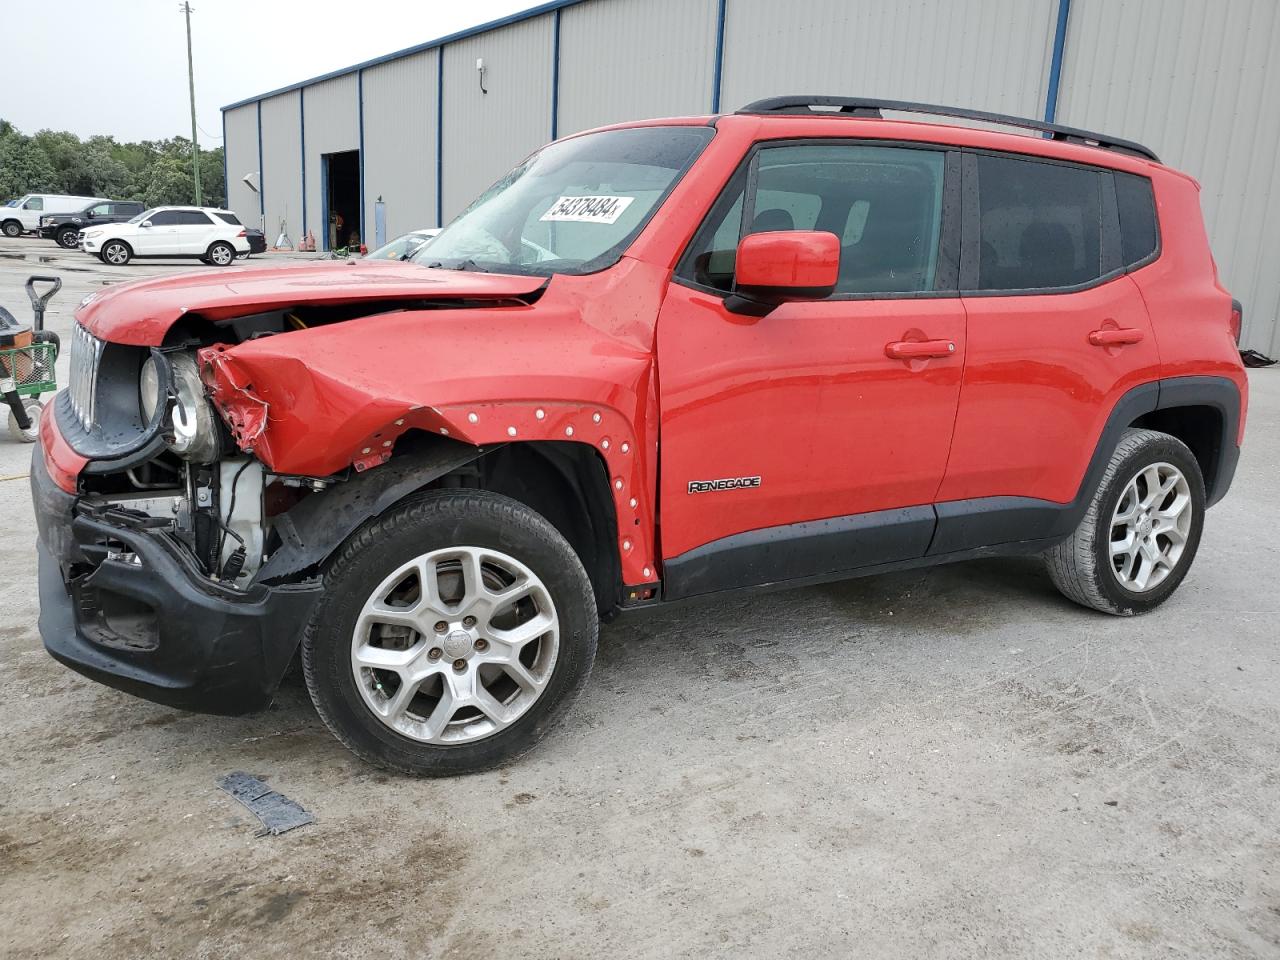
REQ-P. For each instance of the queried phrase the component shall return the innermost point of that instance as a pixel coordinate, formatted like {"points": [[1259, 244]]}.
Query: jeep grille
{"points": [[86, 354]]}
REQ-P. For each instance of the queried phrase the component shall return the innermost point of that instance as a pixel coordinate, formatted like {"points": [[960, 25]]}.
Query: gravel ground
{"points": [[952, 763]]}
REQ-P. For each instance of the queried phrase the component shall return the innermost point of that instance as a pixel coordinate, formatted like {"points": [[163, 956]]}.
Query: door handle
{"points": [[1111, 336], [919, 349]]}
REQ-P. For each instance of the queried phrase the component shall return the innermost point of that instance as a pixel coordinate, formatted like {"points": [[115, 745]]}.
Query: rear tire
{"points": [[116, 253], [1135, 543], [68, 239], [472, 681], [221, 254]]}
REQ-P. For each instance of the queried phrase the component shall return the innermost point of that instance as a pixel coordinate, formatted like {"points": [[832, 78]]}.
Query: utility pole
{"points": [[191, 81]]}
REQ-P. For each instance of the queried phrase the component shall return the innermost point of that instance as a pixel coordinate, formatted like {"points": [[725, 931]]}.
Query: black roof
{"points": [[866, 107]]}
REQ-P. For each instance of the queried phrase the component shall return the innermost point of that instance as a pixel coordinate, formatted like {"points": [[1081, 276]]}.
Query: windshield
{"points": [[401, 248], [573, 207], [144, 215]]}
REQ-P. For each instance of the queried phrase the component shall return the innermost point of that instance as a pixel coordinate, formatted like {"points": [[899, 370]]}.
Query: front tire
{"points": [[1140, 533], [454, 632], [12, 228], [116, 253], [68, 239], [33, 408]]}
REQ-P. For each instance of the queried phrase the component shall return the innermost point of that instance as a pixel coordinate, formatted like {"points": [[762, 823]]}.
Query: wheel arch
{"points": [[1204, 413], [566, 482]]}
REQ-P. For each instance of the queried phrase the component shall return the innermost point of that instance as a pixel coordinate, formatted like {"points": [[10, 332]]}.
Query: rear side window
{"points": [[1041, 224], [884, 203], [126, 209], [1137, 206], [193, 218], [230, 218]]}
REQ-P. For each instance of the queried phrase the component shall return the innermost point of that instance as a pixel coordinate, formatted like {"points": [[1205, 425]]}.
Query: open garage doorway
{"points": [[342, 199]]}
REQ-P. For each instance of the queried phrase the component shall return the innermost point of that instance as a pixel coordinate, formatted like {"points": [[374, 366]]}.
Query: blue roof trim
{"points": [[529, 14]]}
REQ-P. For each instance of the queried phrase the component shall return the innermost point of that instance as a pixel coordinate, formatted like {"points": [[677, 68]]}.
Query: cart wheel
{"points": [[33, 408]]}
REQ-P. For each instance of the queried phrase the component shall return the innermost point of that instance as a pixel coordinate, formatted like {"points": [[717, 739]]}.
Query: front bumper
{"points": [[89, 245], [125, 605]]}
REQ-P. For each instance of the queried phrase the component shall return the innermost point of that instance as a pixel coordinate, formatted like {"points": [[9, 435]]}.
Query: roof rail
{"points": [[865, 107]]}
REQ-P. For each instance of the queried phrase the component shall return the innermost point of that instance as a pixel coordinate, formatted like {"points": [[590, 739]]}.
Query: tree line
{"points": [[157, 172]]}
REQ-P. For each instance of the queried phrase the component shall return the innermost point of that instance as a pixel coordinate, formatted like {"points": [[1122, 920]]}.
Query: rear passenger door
{"points": [[1057, 333], [195, 232]]}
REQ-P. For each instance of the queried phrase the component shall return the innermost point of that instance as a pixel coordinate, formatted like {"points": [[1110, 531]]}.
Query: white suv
{"points": [[209, 234]]}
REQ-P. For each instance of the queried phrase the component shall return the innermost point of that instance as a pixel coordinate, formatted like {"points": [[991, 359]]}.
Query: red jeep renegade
{"points": [[655, 361]]}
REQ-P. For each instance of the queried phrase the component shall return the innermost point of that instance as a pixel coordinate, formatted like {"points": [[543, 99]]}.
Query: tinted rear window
{"points": [[230, 218], [1137, 206], [1041, 224]]}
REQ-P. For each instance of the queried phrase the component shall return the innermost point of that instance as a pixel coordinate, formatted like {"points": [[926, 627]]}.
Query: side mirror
{"points": [[777, 267], [145, 223]]}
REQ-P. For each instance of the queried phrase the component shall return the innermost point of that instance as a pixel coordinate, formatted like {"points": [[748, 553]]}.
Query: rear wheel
{"points": [[69, 238], [221, 254], [116, 253], [454, 632], [12, 228], [1140, 534]]}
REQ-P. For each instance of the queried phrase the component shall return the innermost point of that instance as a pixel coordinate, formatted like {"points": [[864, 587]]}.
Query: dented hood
{"points": [[142, 312]]}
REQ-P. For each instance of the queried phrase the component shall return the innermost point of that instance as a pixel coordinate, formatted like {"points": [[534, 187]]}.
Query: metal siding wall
{"points": [[982, 54], [282, 166], [332, 125], [486, 134], [1198, 81], [635, 59], [400, 142], [242, 158]]}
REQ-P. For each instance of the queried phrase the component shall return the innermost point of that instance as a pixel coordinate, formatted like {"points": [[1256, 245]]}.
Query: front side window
{"points": [[35, 203], [1041, 224], [101, 210], [165, 218], [884, 203], [573, 207]]}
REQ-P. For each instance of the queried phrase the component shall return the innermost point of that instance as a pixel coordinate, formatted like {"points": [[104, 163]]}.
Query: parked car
{"points": [[65, 227], [205, 233], [864, 345], [405, 246], [23, 214], [257, 241]]}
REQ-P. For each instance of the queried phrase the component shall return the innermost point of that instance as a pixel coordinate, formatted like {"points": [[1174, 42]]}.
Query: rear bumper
{"points": [[126, 606]]}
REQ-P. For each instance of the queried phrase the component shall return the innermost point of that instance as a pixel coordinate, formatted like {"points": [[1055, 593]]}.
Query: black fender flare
{"points": [[313, 529], [993, 521]]}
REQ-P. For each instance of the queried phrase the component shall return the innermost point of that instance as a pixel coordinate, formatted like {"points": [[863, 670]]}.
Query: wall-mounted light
{"points": [[480, 68]]}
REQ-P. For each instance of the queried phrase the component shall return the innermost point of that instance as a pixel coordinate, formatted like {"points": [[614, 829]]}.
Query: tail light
{"points": [[1237, 320], [243, 233]]}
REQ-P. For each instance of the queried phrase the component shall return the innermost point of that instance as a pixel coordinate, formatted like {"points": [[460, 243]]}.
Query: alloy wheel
{"points": [[455, 645], [1150, 527], [116, 253]]}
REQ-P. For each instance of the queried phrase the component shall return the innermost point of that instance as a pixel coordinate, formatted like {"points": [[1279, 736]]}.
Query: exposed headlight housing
{"points": [[191, 425]]}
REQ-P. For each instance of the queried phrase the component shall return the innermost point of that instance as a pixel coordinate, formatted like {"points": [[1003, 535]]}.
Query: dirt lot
{"points": [[953, 763]]}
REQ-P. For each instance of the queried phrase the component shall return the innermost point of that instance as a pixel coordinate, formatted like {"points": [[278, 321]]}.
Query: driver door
{"points": [[795, 445]]}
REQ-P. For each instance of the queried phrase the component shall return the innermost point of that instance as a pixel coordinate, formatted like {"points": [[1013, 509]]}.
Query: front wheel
{"points": [[221, 254], [12, 228], [69, 239], [454, 632], [116, 253], [1140, 534]]}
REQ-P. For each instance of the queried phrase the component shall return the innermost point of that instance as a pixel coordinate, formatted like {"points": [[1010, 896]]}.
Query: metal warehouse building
{"points": [[423, 130]]}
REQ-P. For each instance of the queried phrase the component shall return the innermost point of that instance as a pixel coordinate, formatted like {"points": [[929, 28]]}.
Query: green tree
{"points": [[24, 167]]}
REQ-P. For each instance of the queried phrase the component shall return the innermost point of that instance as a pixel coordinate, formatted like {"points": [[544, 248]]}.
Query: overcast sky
{"points": [[119, 67]]}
